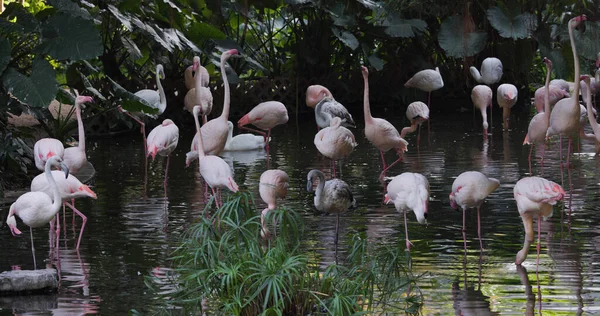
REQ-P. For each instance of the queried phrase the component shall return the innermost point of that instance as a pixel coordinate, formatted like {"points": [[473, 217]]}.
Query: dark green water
{"points": [[130, 233]]}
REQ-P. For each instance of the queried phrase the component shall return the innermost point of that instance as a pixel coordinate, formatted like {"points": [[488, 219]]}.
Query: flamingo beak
{"points": [[386, 199], [65, 169]]}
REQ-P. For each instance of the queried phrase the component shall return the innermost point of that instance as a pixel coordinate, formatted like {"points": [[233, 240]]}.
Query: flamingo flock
{"points": [[534, 196]]}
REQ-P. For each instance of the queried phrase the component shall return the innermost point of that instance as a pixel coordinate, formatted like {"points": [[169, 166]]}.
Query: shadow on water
{"points": [[132, 229]]}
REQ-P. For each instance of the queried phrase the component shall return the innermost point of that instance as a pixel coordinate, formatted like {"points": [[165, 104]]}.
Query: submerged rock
{"points": [[44, 280]]}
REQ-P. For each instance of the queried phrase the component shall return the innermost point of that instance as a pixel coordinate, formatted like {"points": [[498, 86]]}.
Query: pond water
{"points": [[131, 230]]}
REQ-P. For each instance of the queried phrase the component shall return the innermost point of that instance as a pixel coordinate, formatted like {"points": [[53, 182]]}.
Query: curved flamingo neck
{"points": [[319, 193], [200, 148], [57, 198], [367, 106], [587, 99], [80, 128], [161, 93], [576, 63], [226, 96]]}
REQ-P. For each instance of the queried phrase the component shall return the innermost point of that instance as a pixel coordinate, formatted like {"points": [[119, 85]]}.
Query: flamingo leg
{"points": [[464, 230], [388, 167], [538, 241], [428, 101], [83, 219], [479, 229], [382, 158], [337, 227], [333, 168], [543, 152], [419, 133], [267, 140], [143, 128], [166, 173], [33, 248], [569, 151], [560, 150], [529, 160], [73, 219], [408, 243], [216, 198]]}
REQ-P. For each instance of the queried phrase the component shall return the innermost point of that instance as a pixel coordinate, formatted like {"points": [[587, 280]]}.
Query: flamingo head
{"points": [[167, 122], [197, 110], [83, 99], [598, 61], [547, 61], [365, 71], [196, 63], [12, 224], [228, 53], [586, 79], [453, 203], [335, 122], [577, 20], [87, 191], [558, 189], [386, 199], [160, 70]]}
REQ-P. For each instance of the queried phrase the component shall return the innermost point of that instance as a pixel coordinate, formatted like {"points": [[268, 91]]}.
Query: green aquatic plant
{"points": [[225, 265]]}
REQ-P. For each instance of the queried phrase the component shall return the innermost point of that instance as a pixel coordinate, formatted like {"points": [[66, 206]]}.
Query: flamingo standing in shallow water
{"points": [[426, 80], [265, 116], [534, 196], [156, 98], [335, 142], [555, 94], [409, 191], [273, 185], [199, 94], [163, 140], [417, 113], [381, 133], [46, 148], [70, 188], [332, 196], [213, 169], [482, 99], [536, 133], [326, 107], [37, 209], [74, 157], [506, 95], [469, 190], [564, 118]]}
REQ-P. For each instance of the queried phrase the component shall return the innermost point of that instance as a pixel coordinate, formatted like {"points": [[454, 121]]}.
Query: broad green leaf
{"points": [[201, 32], [346, 37], [397, 27], [124, 18], [16, 19], [71, 8], [560, 67], [457, 42], [510, 23], [65, 97], [588, 43], [131, 47], [36, 91], [4, 53], [149, 30], [132, 102], [186, 41], [66, 37], [339, 15], [89, 87], [376, 62]]}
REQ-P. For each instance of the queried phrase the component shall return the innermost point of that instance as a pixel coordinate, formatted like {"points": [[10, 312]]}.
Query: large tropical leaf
{"points": [[510, 22], [200, 32], [587, 42], [71, 8], [36, 91], [346, 37], [16, 19], [4, 53], [123, 18], [457, 42], [398, 27], [69, 37], [132, 102]]}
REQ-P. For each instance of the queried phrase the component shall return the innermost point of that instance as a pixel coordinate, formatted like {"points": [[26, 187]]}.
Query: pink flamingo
{"points": [[37, 209], [534, 196], [199, 94], [564, 118], [481, 96], [326, 107], [409, 191], [536, 133], [273, 185], [555, 94], [587, 99], [70, 188], [491, 71], [265, 116], [335, 142], [381, 133], [469, 190], [332, 196], [506, 95], [46, 148], [194, 70], [562, 84], [213, 169], [417, 113], [156, 98], [163, 140], [426, 80], [74, 157]]}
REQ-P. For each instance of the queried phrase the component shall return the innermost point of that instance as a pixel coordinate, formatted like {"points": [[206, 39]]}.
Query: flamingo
{"points": [[506, 96], [74, 157], [335, 142], [156, 98], [481, 96], [69, 188], [163, 140], [426, 80], [491, 71], [562, 84], [536, 133], [213, 169], [332, 196], [190, 78], [409, 191], [417, 113], [46, 148], [556, 93], [587, 98], [534, 196], [242, 142], [265, 116], [199, 94], [469, 190], [326, 107], [37, 209], [381, 133], [564, 118], [273, 184]]}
